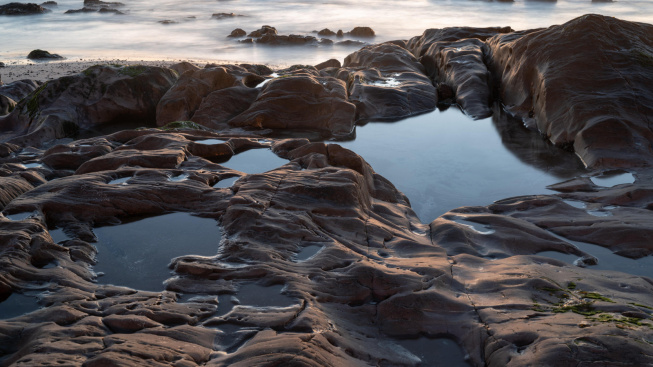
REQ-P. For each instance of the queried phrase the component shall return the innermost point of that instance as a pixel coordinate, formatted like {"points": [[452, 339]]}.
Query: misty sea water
{"points": [[194, 34]]}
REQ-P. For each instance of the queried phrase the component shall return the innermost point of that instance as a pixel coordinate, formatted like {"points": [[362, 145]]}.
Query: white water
{"points": [[138, 35]]}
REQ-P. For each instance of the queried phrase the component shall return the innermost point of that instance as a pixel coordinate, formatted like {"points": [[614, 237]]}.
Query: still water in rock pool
{"points": [[444, 160], [442, 352], [607, 260], [18, 304], [255, 161], [137, 254]]}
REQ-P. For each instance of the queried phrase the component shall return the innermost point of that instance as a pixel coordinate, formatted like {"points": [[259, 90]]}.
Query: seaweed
{"points": [[133, 70], [33, 103]]}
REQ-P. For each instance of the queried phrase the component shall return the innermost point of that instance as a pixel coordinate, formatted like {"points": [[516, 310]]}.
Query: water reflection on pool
{"points": [[137, 254], [255, 161], [444, 160]]}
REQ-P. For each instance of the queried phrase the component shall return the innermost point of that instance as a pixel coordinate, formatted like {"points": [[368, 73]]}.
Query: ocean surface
{"points": [[139, 35]]}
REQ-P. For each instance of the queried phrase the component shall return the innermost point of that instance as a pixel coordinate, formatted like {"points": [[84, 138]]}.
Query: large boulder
{"points": [[301, 101], [584, 84], [220, 106], [386, 82], [22, 9], [99, 95], [182, 100]]}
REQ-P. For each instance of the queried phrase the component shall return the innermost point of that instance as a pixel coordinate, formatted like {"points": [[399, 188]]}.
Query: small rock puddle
{"points": [[435, 352], [137, 254], [18, 304], [255, 161], [226, 182], [610, 180], [607, 260]]}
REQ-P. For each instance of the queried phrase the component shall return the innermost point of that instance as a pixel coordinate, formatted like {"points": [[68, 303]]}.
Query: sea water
{"points": [[139, 35]]}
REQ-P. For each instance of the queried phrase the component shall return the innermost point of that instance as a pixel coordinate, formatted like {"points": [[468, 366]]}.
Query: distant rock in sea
{"points": [[22, 9], [42, 54]]}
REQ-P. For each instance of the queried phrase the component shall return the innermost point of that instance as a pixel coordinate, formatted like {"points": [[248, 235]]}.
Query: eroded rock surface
{"points": [[555, 79], [386, 82], [455, 59], [98, 96], [301, 101]]}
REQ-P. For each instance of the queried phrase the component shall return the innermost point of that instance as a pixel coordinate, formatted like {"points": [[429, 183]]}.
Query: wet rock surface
{"points": [[319, 260], [386, 82], [609, 66], [455, 59], [98, 96]]}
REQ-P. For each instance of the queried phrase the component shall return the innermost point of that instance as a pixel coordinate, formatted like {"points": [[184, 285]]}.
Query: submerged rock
{"points": [[281, 40], [555, 79], [22, 9], [361, 32], [266, 29], [326, 32], [102, 4], [220, 16], [237, 33]]}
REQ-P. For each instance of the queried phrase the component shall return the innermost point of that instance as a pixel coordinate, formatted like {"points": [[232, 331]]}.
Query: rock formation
{"points": [[599, 61], [99, 95], [321, 261], [22, 9]]}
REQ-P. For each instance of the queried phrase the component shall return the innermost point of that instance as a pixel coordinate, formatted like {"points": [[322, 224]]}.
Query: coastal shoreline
{"points": [[48, 70]]}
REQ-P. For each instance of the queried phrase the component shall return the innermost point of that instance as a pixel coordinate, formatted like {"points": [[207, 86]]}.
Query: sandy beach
{"points": [[47, 70]]}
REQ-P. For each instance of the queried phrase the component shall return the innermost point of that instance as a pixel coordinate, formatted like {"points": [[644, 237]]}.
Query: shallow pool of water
{"points": [[444, 160], [137, 254], [609, 180], [607, 260], [226, 182], [256, 296], [58, 235], [255, 161], [20, 216], [120, 181], [308, 252], [18, 304], [442, 352], [210, 141]]}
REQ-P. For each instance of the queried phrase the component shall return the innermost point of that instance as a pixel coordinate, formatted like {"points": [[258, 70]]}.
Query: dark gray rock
{"points": [[22, 9], [42, 55]]}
